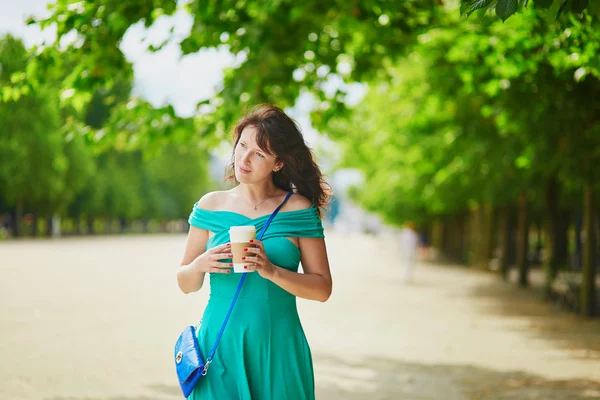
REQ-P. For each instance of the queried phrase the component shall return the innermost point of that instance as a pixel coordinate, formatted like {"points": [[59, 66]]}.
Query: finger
{"points": [[251, 259], [221, 265], [257, 243], [222, 248], [254, 250], [220, 256], [251, 267], [217, 270]]}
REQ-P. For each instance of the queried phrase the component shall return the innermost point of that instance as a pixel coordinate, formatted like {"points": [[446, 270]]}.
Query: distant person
{"points": [[263, 353], [426, 253], [409, 243]]}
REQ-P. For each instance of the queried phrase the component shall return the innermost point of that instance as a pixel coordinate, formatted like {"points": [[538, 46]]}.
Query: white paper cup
{"points": [[240, 237]]}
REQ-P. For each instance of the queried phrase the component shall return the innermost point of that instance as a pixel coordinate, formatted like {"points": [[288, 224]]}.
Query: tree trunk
{"points": [[475, 237], [466, 234], [78, 225], [48, 232], [145, 225], [123, 224], [512, 242], [588, 289], [18, 221], [90, 225], [505, 239], [562, 240], [459, 239], [523, 241], [107, 225], [553, 227], [578, 242], [450, 236], [538, 243], [487, 248], [12, 222], [34, 224]]}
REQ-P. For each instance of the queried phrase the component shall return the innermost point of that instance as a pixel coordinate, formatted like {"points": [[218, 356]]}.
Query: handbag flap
{"points": [[187, 355]]}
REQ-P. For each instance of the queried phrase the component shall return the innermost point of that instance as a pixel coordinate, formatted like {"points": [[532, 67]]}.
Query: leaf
{"points": [[577, 6], [562, 8], [153, 49], [543, 3], [482, 13], [469, 6], [506, 8], [594, 9]]}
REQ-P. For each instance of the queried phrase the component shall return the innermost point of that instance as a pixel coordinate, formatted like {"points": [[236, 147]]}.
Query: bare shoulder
{"points": [[212, 200], [297, 202]]}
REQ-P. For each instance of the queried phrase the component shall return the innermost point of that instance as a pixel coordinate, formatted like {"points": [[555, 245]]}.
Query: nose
{"points": [[246, 158]]}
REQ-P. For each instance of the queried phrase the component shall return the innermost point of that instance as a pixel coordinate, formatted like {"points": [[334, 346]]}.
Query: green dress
{"points": [[263, 353]]}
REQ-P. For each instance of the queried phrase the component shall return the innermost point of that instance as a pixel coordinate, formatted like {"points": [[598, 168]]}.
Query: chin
{"points": [[241, 178]]}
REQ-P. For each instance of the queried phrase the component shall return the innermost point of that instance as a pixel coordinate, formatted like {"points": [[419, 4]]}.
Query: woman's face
{"points": [[252, 164]]}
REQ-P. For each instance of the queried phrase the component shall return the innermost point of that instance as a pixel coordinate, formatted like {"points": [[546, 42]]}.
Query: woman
{"points": [[263, 353]]}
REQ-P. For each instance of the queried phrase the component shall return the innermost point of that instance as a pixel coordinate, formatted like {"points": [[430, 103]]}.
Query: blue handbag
{"points": [[189, 363]]}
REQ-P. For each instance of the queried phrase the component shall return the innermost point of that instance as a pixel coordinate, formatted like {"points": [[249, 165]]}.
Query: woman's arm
{"points": [[190, 279], [196, 259], [314, 284]]}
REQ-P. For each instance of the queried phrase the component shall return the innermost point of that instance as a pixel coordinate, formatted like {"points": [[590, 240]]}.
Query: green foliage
{"points": [[55, 158], [283, 48], [13, 58], [130, 185], [467, 110], [138, 125], [477, 112], [177, 177], [286, 47], [506, 8], [32, 150]]}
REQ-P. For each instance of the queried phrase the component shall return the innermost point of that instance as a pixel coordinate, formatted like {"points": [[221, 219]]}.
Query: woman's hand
{"points": [[209, 261], [259, 262]]}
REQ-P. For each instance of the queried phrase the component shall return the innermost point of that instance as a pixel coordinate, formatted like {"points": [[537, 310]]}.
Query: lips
{"points": [[243, 171]]}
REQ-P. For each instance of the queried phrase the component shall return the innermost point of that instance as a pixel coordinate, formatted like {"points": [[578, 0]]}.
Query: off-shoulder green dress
{"points": [[263, 353]]}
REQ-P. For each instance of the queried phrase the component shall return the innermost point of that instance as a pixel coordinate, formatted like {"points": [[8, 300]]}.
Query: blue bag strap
{"points": [[239, 288]]}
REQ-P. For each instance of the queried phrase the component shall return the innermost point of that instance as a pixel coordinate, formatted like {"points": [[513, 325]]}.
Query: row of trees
{"points": [[55, 161], [483, 131]]}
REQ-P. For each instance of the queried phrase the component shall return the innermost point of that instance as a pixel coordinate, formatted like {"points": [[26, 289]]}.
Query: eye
{"points": [[260, 155], [242, 144]]}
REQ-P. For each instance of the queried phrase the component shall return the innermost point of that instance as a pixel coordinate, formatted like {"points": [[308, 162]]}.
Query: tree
{"points": [[34, 163], [283, 48], [481, 114]]}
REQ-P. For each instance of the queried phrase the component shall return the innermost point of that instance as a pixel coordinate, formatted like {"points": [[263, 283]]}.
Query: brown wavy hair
{"points": [[280, 136]]}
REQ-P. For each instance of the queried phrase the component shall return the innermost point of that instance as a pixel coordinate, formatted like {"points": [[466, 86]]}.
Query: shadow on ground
{"points": [[581, 336], [381, 379], [385, 379]]}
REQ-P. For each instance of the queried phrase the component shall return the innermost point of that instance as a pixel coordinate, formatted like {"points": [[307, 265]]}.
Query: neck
{"points": [[255, 193]]}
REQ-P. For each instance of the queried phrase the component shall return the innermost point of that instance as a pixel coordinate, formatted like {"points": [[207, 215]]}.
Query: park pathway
{"points": [[96, 319]]}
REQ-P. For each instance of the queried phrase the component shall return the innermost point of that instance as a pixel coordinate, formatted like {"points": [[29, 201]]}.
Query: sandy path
{"points": [[97, 319]]}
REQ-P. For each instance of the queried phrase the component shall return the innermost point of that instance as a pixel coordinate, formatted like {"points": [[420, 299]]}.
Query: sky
{"points": [[165, 76], [161, 77]]}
